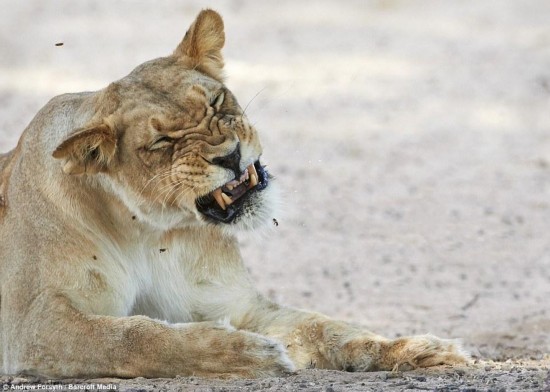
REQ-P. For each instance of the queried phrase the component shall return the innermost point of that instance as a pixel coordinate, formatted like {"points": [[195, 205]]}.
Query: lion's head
{"points": [[171, 141]]}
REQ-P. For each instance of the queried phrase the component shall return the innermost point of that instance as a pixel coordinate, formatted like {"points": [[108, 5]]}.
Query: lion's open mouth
{"points": [[223, 204]]}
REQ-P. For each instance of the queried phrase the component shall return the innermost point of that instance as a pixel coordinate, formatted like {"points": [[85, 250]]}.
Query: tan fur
{"points": [[108, 268]]}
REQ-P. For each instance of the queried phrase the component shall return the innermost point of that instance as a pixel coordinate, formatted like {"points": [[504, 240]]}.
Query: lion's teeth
{"points": [[253, 176], [244, 176], [230, 186], [253, 180], [219, 198], [252, 170], [226, 199]]}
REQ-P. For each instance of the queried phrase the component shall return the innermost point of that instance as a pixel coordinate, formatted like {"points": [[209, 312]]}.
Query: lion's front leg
{"points": [[52, 338], [314, 340], [364, 352]]}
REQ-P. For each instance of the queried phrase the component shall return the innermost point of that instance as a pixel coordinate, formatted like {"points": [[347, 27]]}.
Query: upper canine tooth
{"points": [[253, 180], [253, 176], [219, 198], [226, 199], [252, 170]]}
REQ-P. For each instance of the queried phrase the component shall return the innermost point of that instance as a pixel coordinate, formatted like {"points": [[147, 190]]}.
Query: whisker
{"points": [[162, 191], [171, 192], [158, 177], [183, 193], [252, 99], [176, 188]]}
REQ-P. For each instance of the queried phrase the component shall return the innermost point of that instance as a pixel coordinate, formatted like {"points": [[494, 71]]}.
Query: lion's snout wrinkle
{"points": [[121, 255]]}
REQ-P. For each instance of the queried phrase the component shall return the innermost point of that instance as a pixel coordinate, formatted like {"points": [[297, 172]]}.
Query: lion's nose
{"points": [[231, 161]]}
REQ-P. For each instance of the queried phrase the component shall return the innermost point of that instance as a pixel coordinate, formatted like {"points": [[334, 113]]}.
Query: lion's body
{"points": [[69, 235], [112, 263]]}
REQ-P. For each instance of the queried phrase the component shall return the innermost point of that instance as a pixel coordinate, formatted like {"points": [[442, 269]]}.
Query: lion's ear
{"points": [[87, 150], [203, 43]]}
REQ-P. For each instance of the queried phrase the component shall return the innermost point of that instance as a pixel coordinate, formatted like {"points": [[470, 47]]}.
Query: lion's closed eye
{"points": [[161, 142]]}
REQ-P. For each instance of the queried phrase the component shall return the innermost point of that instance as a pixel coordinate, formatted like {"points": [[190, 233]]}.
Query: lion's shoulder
{"points": [[6, 164], [3, 161], [7, 161]]}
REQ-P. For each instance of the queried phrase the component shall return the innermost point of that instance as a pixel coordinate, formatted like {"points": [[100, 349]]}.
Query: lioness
{"points": [[118, 210]]}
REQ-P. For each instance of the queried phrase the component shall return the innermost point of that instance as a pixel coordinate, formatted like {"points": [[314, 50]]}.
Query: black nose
{"points": [[231, 161]]}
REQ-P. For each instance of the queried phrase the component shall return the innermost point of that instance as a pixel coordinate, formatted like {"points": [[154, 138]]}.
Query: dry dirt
{"points": [[411, 142]]}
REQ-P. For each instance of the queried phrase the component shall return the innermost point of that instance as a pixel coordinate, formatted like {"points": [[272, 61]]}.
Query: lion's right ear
{"points": [[201, 47], [87, 150]]}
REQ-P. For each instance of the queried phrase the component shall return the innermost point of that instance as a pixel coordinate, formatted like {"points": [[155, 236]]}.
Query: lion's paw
{"points": [[257, 356], [271, 357], [369, 353], [423, 351]]}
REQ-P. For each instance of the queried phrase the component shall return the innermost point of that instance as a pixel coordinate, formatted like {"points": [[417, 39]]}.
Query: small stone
{"points": [[19, 380]]}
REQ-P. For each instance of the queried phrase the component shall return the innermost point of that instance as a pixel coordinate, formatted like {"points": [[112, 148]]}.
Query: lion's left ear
{"points": [[88, 150], [203, 43]]}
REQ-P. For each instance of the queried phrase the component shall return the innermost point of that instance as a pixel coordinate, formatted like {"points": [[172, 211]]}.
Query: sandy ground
{"points": [[411, 141]]}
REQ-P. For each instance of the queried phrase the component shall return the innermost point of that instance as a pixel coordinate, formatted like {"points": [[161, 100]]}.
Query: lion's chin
{"points": [[237, 200]]}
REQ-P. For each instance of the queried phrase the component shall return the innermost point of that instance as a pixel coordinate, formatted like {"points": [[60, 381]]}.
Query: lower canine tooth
{"points": [[244, 176], [226, 199], [218, 196]]}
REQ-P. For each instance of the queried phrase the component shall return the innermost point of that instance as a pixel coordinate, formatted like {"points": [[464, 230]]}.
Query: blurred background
{"points": [[410, 140]]}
